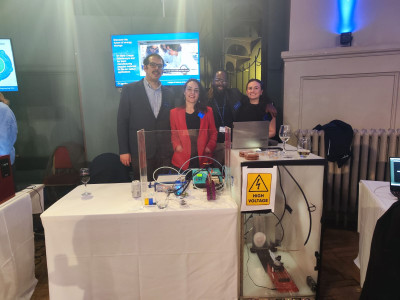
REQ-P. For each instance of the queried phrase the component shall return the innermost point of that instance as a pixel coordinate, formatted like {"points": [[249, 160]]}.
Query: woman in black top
{"points": [[254, 107]]}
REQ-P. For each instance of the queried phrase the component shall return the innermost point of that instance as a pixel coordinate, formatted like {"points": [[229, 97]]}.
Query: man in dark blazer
{"points": [[383, 272], [145, 105]]}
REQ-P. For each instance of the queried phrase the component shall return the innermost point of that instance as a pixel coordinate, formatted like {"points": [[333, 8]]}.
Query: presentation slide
{"points": [[180, 52], [8, 78]]}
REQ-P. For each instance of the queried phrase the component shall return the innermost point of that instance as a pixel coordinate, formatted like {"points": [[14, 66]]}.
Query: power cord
{"points": [[34, 188], [247, 269], [188, 175], [286, 207], [309, 207]]}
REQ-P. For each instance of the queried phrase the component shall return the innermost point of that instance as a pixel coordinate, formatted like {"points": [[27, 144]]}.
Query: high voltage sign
{"points": [[259, 188]]}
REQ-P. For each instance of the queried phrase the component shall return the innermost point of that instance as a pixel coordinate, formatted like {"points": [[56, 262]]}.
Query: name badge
{"points": [[222, 129]]}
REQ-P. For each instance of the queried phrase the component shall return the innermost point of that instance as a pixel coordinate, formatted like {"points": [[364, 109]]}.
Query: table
{"points": [[35, 192], [17, 251], [111, 247], [374, 200]]}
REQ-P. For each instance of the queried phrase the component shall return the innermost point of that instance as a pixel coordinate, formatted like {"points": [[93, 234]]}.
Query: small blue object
{"points": [[149, 201], [237, 105], [178, 187], [201, 115]]}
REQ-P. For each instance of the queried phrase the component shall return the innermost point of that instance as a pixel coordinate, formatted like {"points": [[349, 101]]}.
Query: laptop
{"points": [[394, 166], [251, 134]]}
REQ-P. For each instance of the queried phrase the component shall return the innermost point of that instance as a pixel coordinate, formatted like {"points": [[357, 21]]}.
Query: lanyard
{"points": [[223, 110]]}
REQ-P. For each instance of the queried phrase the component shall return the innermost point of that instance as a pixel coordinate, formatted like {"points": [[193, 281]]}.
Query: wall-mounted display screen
{"points": [[180, 52], [8, 77]]}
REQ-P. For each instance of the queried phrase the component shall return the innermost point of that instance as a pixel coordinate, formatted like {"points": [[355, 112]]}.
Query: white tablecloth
{"points": [[374, 200], [17, 252], [110, 247], [37, 198]]}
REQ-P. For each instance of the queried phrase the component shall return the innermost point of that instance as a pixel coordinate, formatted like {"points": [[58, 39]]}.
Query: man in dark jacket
{"points": [[225, 103], [144, 105], [383, 273]]}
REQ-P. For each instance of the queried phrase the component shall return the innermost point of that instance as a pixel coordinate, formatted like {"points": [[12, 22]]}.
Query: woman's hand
{"points": [[179, 148], [207, 150], [271, 109]]}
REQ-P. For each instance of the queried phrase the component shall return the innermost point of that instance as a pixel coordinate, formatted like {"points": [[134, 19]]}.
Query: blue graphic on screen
{"points": [[346, 15], [8, 78], [180, 52]]}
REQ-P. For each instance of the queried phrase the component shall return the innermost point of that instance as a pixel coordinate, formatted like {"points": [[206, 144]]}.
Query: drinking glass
{"points": [[85, 177], [161, 196], [284, 134], [304, 146]]}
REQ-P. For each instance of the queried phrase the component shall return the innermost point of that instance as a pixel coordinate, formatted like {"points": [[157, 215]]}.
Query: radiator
{"points": [[371, 150]]}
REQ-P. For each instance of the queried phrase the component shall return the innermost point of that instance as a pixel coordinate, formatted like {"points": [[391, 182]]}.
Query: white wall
{"points": [[313, 24], [357, 84]]}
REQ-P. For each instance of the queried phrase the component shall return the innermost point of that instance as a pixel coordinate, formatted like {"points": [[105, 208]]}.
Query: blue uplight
{"points": [[346, 15]]}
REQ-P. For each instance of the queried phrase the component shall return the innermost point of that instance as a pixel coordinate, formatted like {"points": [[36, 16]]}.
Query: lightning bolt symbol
{"points": [[258, 184]]}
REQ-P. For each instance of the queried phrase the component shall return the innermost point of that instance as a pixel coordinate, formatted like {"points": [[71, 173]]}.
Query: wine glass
{"points": [[284, 134], [85, 177]]}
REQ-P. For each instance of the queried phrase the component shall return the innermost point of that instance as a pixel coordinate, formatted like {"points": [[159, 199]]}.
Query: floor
{"points": [[42, 288], [340, 277]]}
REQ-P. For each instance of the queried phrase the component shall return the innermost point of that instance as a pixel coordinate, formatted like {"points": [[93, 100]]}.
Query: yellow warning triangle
{"points": [[258, 185]]}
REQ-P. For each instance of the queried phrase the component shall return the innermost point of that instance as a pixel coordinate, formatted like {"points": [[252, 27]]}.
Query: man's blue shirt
{"points": [[8, 131]]}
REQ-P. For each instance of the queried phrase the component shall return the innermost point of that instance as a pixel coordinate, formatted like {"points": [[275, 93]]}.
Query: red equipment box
{"points": [[7, 188]]}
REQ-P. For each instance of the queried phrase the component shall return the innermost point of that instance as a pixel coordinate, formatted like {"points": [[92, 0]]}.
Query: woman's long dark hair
{"points": [[200, 105]]}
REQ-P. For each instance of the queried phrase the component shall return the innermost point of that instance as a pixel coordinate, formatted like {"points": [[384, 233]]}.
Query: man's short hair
{"points": [[222, 71], [146, 61]]}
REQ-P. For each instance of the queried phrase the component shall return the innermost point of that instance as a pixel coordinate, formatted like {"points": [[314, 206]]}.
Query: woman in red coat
{"points": [[193, 131]]}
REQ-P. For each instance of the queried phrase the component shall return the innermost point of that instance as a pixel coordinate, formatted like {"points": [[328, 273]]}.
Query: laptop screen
{"points": [[394, 173], [251, 134]]}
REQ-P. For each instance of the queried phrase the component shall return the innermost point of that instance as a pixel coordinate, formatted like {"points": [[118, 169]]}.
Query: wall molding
{"points": [[395, 95], [340, 52], [358, 85]]}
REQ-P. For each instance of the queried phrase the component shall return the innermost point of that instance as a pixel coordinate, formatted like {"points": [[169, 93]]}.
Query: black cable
{"points": [[181, 189], [33, 188], [248, 232], [251, 215], [247, 267], [283, 230], [188, 177], [284, 197], [308, 205]]}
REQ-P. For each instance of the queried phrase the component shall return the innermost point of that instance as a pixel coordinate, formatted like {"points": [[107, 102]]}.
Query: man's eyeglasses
{"points": [[220, 80], [154, 65]]}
